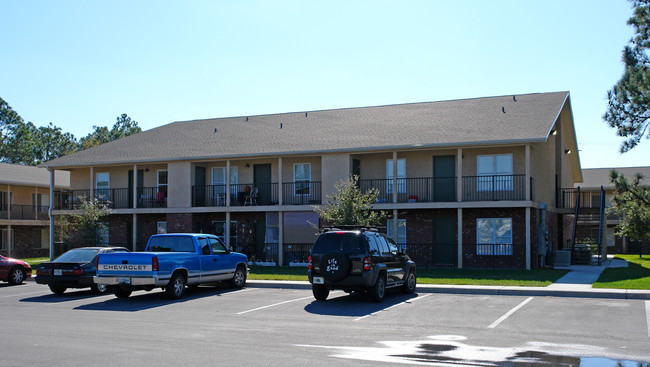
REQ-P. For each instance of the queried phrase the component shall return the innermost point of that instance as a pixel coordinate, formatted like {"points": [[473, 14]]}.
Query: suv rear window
{"points": [[349, 243]]}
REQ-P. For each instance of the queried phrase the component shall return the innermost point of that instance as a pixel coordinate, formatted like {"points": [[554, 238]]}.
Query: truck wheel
{"points": [[16, 276], [99, 288], [239, 278], [320, 292], [378, 292], [121, 293], [176, 287], [409, 284], [57, 289]]}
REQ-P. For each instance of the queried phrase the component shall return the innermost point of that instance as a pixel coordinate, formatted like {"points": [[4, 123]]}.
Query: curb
{"points": [[486, 290]]}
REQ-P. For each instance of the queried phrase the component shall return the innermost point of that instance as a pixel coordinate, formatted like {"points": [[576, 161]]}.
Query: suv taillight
{"points": [[309, 263], [367, 263], [154, 263]]}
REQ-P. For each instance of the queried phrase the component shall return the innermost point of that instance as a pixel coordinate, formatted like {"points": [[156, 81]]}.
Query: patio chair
{"points": [[251, 199]]}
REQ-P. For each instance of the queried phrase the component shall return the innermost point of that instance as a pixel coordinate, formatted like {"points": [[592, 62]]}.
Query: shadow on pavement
{"points": [[156, 298], [356, 304], [69, 295]]}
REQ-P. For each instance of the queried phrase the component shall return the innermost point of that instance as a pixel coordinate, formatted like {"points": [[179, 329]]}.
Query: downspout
{"points": [[49, 212]]}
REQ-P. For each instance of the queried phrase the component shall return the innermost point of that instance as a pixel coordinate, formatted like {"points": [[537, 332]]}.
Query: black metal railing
{"points": [[492, 188], [494, 256], [152, 197], [588, 199], [114, 198], [436, 255], [69, 199], [384, 190], [24, 212], [301, 193], [413, 190], [209, 195], [296, 254]]}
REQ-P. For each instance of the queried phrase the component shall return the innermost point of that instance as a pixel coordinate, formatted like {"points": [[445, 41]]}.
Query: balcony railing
{"points": [[152, 197], [24, 212], [588, 199], [294, 193], [497, 187], [114, 198]]}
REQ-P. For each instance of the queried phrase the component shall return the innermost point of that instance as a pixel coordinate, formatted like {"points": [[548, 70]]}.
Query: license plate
{"points": [[58, 272], [318, 280], [125, 280]]}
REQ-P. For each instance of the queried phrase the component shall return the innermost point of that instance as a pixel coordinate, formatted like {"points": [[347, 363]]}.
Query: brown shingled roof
{"points": [[16, 174], [490, 120]]}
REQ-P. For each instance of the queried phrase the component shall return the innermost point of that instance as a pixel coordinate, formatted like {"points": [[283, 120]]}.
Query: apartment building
{"points": [[467, 183], [24, 205]]}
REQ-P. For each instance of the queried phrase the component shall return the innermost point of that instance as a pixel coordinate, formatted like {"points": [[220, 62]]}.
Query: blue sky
{"points": [[83, 63]]}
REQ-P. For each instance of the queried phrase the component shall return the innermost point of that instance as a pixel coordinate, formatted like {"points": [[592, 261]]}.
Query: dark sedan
{"points": [[74, 269], [14, 271]]}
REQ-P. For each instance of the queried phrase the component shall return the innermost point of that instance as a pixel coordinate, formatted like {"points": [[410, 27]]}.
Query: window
{"points": [[218, 248], [4, 239], [494, 236], [495, 172], [45, 238], [301, 178], [401, 230], [401, 176], [272, 234], [102, 186], [102, 235], [205, 246], [162, 180], [219, 180], [219, 230], [161, 227]]}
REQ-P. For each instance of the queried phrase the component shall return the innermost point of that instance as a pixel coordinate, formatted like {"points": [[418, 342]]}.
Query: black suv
{"points": [[361, 260]]}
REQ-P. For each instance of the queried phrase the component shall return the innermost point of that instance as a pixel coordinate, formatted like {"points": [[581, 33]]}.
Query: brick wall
{"points": [[27, 240]]}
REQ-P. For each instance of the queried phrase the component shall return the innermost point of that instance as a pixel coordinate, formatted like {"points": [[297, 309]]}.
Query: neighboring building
{"points": [[590, 191], [24, 203], [471, 182]]}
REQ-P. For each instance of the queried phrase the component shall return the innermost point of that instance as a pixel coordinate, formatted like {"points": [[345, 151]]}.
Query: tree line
{"points": [[28, 144]]}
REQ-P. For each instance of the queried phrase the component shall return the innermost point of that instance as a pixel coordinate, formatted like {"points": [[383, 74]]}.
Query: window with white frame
{"points": [[102, 235], [400, 238], [162, 180], [495, 172], [272, 233], [401, 176], [161, 227], [102, 185], [301, 178], [219, 180], [494, 236]]}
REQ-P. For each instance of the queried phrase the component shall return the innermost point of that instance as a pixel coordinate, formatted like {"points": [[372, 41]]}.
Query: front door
{"points": [[199, 186], [444, 178], [262, 181], [444, 241]]}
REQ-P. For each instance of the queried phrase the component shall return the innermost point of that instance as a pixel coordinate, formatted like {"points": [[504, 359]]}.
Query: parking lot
{"points": [[267, 326]]}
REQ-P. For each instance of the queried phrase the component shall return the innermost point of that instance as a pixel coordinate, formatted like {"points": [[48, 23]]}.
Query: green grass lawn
{"points": [[524, 278], [34, 262], [635, 276]]}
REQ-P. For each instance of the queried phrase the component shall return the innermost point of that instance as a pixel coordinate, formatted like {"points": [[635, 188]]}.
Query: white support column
{"points": [[135, 193], [395, 225], [10, 237], [134, 235], [528, 252], [36, 203], [91, 190], [227, 230], [280, 188], [459, 234], [528, 169], [395, 180], [459, 175], [49, 212], [280, 238], [228, 183]]}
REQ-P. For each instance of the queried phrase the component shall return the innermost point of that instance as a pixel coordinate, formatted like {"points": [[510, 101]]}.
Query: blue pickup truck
{"points": [[170, 262]]}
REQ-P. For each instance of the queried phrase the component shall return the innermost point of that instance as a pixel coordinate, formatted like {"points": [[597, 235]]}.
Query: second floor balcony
{"points": [[122, 198], [24, 212], [293, 193]]}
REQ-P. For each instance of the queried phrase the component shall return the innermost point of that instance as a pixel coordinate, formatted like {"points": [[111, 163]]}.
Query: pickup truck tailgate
{"points": [[132, 268]]}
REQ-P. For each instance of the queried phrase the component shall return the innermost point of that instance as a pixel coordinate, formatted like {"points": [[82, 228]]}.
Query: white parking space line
{"points": [[399, 304], [509, 313], [273, 305], [647, 315]]}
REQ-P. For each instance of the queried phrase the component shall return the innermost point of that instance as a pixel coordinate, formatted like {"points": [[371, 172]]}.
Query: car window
{"points": [[171, 244], [217, 246], [373, 248], [383, 245], [205, 246], [346, 242], [77, 255], [391, 245]]}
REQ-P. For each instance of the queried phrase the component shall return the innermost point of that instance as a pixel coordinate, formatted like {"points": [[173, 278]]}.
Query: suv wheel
{"points": [[409, 284], [320, 292], [378, 292], [335, 266]]}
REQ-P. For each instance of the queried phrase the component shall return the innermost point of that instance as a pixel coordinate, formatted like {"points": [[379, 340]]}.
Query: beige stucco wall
{"points": [[80, 179], [179, 193], [336, 167]]}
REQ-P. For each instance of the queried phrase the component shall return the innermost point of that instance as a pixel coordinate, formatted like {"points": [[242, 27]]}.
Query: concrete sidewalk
{"points": [[576, 283]]}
